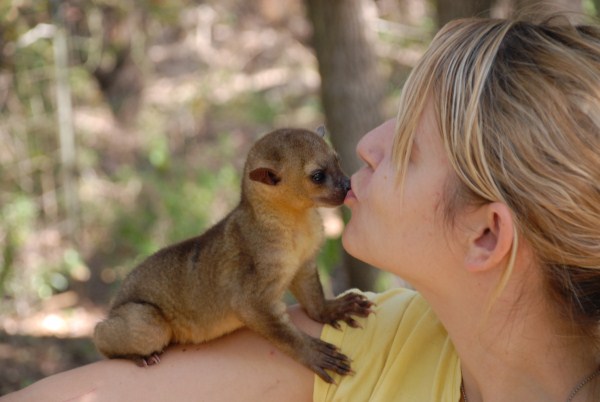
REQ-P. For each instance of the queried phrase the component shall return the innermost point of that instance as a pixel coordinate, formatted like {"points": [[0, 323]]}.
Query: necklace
{"points": [[572, 395], [582, 384]]}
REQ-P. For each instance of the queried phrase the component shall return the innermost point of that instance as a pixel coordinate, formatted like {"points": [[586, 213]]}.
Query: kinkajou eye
{"points": [[318, 177]]}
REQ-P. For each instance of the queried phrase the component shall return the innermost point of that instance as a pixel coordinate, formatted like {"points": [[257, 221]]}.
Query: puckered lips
{"points": [[350, 195]]}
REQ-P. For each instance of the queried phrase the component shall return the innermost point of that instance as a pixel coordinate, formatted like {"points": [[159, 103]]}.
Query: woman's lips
{"points": [[351, 195]]}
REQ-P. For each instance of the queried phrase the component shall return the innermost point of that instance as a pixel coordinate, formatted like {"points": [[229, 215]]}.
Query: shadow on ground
{"points": [[26, 359]]}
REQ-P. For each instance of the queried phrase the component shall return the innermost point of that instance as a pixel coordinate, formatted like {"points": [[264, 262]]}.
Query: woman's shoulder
{"points": [[239, 366]]}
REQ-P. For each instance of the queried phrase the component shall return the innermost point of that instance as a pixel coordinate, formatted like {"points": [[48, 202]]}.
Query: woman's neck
{"points": [[516, 348]]}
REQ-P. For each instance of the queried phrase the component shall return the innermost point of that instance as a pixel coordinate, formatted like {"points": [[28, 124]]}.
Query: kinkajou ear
{"points": [[321, 130], [265, 175]]}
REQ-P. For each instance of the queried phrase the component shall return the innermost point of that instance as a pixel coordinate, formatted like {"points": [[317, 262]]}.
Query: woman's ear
{"points": [[492, 240]]}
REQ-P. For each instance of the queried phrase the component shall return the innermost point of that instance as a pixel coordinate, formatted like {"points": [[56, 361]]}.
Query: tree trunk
{"points": [[448, 10], [549, 5], [351, 90], [66, 132], [118, 75]]}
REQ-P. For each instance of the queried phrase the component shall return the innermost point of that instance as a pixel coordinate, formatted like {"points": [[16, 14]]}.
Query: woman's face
{"points": [[400, 232]]}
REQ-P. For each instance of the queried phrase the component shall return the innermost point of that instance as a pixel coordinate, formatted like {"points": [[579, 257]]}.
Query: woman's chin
{"points": [[349, 241]]}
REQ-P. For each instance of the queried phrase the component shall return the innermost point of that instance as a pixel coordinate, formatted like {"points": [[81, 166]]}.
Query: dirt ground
{"points": [[51, 339], [26, 359]]}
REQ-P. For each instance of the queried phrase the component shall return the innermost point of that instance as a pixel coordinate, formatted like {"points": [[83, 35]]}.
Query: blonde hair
{"points": [[518, 106]]}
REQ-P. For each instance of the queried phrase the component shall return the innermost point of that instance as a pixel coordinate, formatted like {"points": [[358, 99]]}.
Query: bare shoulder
{"points": [[240, 366]]}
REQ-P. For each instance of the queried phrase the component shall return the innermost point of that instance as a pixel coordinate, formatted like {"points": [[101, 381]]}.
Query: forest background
{"points": [[124, 126]]}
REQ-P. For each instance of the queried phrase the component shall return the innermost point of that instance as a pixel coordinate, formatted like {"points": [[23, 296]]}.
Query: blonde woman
{"points": [[484, 194]]}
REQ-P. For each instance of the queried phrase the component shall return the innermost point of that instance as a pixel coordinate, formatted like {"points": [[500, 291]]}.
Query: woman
{"points": [[485, 195]]}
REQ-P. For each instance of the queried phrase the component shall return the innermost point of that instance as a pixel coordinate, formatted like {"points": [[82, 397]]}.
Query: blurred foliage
{"points": [[168, 96]]}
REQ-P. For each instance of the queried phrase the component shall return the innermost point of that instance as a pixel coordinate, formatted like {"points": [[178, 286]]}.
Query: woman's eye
{"points": [[318, 177]]}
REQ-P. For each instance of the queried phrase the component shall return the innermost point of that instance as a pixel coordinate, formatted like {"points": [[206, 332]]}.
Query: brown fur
{"points": [[236, 273]]}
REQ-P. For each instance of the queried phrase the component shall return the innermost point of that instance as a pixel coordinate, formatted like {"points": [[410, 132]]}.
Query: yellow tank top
{"points": [[402, 353]]}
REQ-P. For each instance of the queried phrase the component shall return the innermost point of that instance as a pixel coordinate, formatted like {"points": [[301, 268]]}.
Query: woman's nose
{"points": [[371, 147]]}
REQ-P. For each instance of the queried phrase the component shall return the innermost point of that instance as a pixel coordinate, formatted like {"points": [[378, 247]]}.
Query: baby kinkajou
{"points": [[236, 273]]}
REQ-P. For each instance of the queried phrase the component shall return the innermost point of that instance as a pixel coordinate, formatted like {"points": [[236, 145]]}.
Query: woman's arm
{"points": [[238, 367]]}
